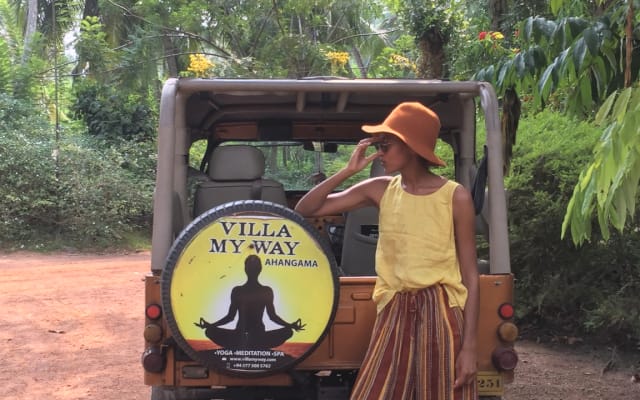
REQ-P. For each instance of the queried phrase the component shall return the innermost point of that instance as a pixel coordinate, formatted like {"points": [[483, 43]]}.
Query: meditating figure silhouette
{"points": [[250, 301]]}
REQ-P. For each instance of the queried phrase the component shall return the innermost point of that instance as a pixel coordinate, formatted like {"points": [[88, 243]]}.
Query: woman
{"points": [[423, 343]]}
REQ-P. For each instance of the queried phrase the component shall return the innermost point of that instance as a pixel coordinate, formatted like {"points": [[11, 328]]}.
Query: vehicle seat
{"points": [[235, 173], [361, 236]]}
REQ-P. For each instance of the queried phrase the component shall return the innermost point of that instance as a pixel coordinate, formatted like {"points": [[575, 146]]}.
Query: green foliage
{"points": [[5, 68], [28, 78], [19, 76], [101, 197], [579, 64], [433, 25], [397, 61], [111, 114], [441, 17], [579, 57], [93, 49], [74, 191], [491, 47], [609, 184], [559, 286]]}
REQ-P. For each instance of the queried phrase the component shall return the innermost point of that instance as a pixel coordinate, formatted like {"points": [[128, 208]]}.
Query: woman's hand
{"points": [[321, 200], [466, 368], [359, 159]]}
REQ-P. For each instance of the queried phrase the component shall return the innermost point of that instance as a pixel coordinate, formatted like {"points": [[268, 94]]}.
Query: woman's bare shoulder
{"points": [[376, 187]]}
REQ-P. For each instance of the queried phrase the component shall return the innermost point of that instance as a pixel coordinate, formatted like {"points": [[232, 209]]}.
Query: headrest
{"points": [[236, 163]]}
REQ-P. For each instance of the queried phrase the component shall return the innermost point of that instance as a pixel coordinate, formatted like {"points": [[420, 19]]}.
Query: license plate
{"points": [[490, 383]]}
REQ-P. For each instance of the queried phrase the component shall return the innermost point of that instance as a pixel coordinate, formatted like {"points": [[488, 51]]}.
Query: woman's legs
{"points": [[412, 352]]}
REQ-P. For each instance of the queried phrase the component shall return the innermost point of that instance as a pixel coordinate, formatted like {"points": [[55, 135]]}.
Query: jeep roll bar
{"points": [[175, 138]]}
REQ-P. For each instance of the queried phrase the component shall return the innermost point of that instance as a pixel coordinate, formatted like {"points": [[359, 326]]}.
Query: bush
{"points": [[112, 115], [91, 196], [100, 196], [570, 290]]}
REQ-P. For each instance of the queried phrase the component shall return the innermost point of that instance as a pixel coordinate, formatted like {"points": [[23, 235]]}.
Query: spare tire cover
{"points": [[249, 288]]}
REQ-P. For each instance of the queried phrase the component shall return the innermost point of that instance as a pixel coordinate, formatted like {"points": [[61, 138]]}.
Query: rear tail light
{"points": [[505, 311], [153, 360], [153, 312], [153, 333], [508, 331], [504, 358]]}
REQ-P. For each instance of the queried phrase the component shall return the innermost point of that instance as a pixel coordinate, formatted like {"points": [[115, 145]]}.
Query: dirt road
{"points": [[71, 329]]}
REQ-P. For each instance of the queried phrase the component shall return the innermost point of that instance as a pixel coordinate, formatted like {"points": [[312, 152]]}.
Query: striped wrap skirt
{"points": [[414, 345]]}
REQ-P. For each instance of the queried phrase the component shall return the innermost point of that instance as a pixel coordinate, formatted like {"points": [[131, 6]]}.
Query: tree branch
{"points": [[186, 33], [364, 34]]}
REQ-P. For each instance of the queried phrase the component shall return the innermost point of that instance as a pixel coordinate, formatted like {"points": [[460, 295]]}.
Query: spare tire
{"points": [[249, 288]]}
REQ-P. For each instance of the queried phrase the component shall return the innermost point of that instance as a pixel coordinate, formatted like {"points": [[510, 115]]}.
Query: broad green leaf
{"points": [[560, 33], [575, 26], [610, 57], [540, 59], [564, 62], [585, 92], [629, 129], [573, 217], [542, 27], [589, 192], [605, 175], [579, 54], [518, 62], [603, 113], [600, 74], [603, 221], [503, 79], [620, 107], [547, 81], [606, 136], [530, 60], [527, 29], [556, 6], [619, 214], [568, 216], [634, 101], [621, 153], [630, 186], [595, 73], [579, 229], [592, 41], [585, 178]]}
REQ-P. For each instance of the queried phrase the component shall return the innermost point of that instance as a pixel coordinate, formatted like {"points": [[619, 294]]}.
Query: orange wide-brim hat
{"points": [[416, 125]]}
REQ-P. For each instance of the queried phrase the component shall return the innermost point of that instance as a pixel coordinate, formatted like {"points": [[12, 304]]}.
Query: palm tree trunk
{"points": [[358, 57], [431, 62], [170, 56], [30, 30], [628, 45], [497, 13]]}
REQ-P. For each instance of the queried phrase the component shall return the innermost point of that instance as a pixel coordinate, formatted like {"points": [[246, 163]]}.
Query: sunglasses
{"points": [[382, 146]]}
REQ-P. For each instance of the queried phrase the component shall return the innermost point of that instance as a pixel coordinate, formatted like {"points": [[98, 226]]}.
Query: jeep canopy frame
{"points": [[194, 109]]}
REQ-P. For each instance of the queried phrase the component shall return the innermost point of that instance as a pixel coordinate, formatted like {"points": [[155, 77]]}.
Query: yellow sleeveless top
{"points": [[416, 244]]}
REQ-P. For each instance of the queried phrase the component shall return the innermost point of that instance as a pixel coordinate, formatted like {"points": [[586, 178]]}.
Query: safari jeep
{"points": [[247, 299]]}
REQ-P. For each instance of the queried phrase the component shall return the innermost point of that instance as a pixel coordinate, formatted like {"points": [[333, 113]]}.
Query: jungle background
{"points": [[79, 94]]}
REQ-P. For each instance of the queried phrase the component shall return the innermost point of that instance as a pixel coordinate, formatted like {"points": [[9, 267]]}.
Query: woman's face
{"points": [[394, 153]]}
